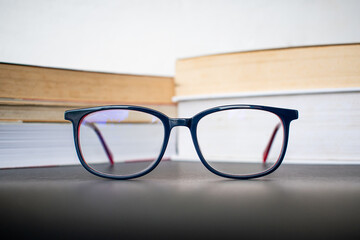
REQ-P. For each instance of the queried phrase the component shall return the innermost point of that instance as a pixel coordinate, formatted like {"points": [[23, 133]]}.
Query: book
{"points": [[327, 130], [52, 144], [50, 84], [299, 68]]}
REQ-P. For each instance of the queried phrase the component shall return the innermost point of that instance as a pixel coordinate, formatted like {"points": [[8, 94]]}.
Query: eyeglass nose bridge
{"points": [[184, 122]]}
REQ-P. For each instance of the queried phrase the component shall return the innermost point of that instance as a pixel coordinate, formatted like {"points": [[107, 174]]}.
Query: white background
{"points": [[146, 37]]}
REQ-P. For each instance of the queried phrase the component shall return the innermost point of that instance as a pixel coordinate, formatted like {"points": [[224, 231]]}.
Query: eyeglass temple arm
{"points": [[102, 140], [268, 147]]}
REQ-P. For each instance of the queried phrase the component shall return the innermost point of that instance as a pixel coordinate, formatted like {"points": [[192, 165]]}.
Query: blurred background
{"points": [[147, 37], [179, 57]]}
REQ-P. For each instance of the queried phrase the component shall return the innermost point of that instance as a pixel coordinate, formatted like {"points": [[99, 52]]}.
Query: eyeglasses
{"points": [[233, 141]]}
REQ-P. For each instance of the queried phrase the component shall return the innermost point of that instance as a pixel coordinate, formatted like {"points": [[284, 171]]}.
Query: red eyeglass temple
{"points": [[102, 140], [267, 149]]}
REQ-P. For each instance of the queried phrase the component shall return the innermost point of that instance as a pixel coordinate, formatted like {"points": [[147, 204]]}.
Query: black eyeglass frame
{"points": [[77, 115]]}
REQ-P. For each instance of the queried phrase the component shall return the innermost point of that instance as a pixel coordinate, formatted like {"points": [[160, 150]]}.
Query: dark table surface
{"points": [[181, 201]]}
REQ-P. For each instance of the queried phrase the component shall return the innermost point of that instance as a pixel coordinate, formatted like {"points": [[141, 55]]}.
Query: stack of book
{"points": [[322, 83], [33, 100]]}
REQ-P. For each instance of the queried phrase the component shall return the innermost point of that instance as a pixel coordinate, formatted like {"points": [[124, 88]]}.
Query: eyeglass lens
{"points": [[120, 142], [241, 141]]}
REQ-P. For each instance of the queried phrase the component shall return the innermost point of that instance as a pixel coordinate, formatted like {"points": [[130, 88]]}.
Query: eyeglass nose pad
{"points": [[180, 122]]}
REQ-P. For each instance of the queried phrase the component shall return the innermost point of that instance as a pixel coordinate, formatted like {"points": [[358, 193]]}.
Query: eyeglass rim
{"points": [[285, 116], [77, 115]]}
